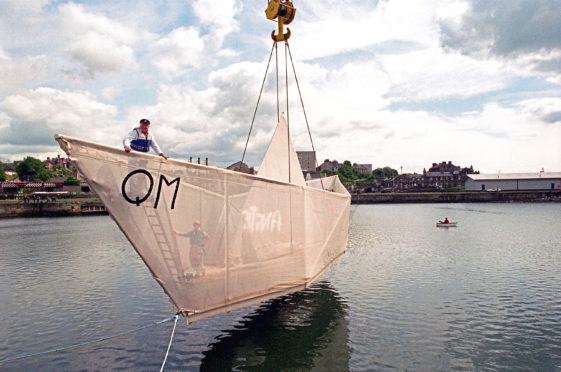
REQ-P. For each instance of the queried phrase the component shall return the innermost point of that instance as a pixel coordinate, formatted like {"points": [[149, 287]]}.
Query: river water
{"points": [[485, 295]]}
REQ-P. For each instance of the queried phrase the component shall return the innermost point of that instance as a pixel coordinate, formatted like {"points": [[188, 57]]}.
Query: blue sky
{"points": [[393, 83]]}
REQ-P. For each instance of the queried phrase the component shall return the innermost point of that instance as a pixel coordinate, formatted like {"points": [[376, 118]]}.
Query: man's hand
{"points": [[127, 149], [164, 156]]}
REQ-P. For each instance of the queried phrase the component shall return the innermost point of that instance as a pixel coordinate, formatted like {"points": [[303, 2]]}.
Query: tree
{"points": [[31, 169], [390, 172], [71, 181], [379, 173], [347, 173], [57, 171], [385, 172], [2, 174]]}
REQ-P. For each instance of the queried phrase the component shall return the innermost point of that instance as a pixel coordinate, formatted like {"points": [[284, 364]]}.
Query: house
{"points": [[407, 182], [331, 166], [363, 169], [445, 174]]}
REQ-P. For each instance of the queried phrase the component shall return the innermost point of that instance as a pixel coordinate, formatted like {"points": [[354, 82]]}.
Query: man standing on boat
{"points": [[197, 239], [141, 139]]}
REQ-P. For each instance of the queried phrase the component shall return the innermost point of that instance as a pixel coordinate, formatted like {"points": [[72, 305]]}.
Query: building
{"points": [[363, 169], [241, 167], [514, 181], [331, 166], [307, 160], [445, 175], [407, 182], [63, 162]]}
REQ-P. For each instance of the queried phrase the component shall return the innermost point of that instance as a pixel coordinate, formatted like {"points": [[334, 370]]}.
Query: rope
{"points": [[277, 77], [287, 112], [169, 346], [77, 346], [256, 106], [302, 103]]}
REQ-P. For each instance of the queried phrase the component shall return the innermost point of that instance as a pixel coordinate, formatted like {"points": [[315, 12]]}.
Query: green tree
{"points": [[390, 172], [57, 171], [31, 169], [347, 173], [71, 181], [379, 173], [2, 174], [385, 172]]}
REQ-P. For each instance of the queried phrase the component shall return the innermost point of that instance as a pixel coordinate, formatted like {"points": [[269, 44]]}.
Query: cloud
{"points": [[180, 49], [211, 122], [432, 74], [513, 27], [218, 17], [507, 30], [335, 27], [187, 48], [101, 45], [36, 116], [547, 109], [101, 55], [16, 73]]}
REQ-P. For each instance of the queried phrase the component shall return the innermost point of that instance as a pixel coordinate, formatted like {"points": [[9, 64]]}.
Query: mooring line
{"points": [[77, 346], [170, 340]]}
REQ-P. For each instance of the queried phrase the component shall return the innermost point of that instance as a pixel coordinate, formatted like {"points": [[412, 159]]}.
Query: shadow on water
{"points": [[307, 330]]}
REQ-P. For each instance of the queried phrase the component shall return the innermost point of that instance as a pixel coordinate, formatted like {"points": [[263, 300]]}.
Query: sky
{"points": [[394, 83]]}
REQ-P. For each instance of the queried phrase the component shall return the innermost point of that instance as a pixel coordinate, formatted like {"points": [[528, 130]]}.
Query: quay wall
{"points": [[457, 197], [16, 208], [11, 209]]}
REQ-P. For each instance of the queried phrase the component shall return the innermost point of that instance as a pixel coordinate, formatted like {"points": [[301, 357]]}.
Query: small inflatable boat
{"points": [[449, 224]]}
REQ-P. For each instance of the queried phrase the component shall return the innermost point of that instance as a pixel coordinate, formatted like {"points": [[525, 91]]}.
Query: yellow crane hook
{"points": [[284, 12]]}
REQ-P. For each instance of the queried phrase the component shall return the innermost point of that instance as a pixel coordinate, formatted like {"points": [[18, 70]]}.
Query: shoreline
{"points": [[59, 208], [527, 196], [92, 206]]}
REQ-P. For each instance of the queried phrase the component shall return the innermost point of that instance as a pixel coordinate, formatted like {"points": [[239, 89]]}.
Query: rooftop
{"points": [[514, 176]]}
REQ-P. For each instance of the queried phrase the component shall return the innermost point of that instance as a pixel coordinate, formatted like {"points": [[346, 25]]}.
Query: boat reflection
{"points": [[307, 330]]}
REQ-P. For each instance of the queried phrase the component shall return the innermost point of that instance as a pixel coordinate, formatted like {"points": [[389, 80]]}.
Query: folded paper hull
{"points": [[259, 238]]}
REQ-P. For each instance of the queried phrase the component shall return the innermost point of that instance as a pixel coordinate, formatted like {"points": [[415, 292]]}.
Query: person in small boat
{"points": [[141, 139], [446, 220], [197, 238]]}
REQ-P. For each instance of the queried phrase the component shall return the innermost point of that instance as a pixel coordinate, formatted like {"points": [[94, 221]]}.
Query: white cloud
{"points": [[100, 54], [218, 16], [508, 30], [180, 49], [16, 73], [53, 111], [432, 74], [108, 93], [340, 27], [79, 21], [98, 43], [547, 109]]}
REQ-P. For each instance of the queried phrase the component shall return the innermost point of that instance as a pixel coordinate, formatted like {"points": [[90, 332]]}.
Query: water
{"points": [[406, 296]]}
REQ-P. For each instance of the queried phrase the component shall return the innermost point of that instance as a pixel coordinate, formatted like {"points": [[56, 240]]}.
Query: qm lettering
{"points": [[138, 199]]}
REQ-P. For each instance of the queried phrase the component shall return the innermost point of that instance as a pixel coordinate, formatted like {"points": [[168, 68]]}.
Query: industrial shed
{"points": [[514, 181]]}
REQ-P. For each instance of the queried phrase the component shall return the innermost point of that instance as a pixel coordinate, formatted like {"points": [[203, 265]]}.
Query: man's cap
{"points": [[196, 222], [144, 121]]}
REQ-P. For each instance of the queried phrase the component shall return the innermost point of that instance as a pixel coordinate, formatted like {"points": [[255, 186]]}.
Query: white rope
{"points": [[170, 340]]}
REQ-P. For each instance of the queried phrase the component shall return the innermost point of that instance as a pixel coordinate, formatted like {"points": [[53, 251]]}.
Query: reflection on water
{"points": [[305, 331]]}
